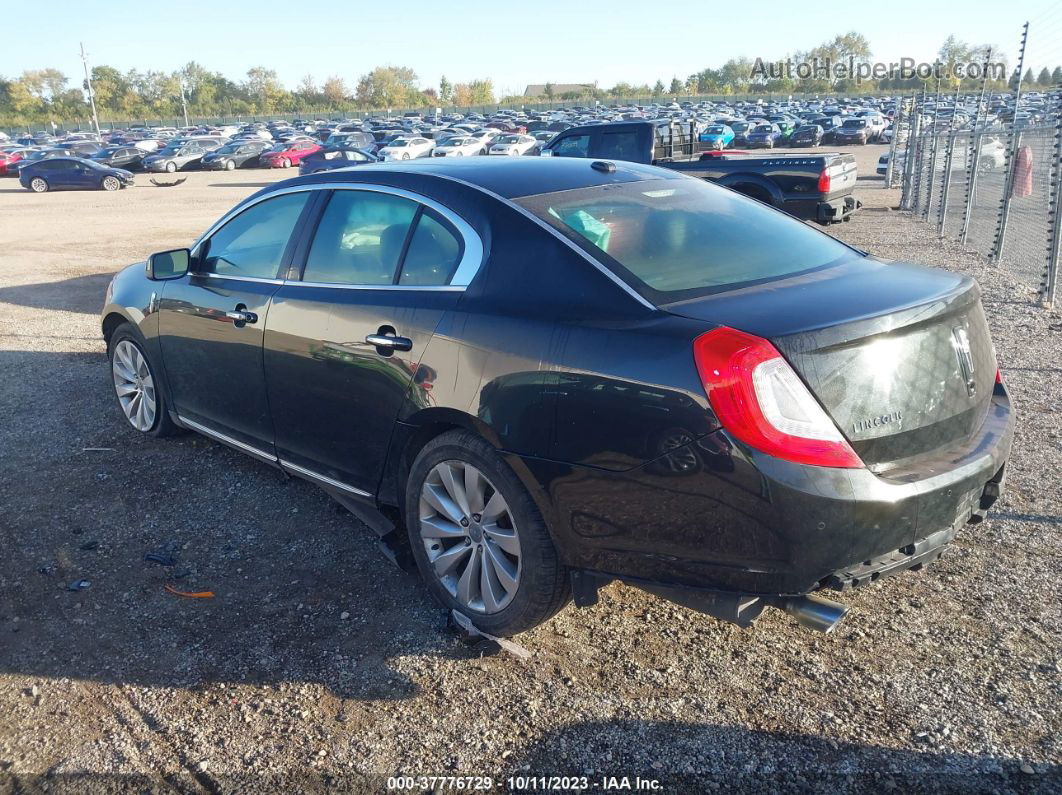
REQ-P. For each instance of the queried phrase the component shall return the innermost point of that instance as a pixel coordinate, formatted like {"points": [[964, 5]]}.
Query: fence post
{"points": [[933, 158], [942, 210], [896, 121], [907, 197], [1049, 282], [1008, 188]]}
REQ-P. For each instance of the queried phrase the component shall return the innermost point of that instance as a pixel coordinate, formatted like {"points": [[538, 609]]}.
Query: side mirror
{"points": [[167, 265]]}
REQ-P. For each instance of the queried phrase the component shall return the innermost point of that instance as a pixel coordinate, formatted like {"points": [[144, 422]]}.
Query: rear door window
{"points": [[360, 238]]}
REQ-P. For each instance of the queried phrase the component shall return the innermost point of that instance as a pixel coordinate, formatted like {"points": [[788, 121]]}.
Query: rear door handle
{"points": [[390, 342]]}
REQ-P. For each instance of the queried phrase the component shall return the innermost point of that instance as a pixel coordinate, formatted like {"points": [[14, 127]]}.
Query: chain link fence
{"points": [[997, 192]]}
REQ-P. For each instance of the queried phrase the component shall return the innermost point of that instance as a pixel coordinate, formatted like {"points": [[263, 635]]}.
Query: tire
{"points": [[230, 165], [171, 167], [124, 339], [285, 163], [542, 584], [39, 185], [111, 184], [405, 155]]}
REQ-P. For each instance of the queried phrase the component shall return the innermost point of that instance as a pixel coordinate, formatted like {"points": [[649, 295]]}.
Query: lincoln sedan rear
{"points": [[540, 376]]}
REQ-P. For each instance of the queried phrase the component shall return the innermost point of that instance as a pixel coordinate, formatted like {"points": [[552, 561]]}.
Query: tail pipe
{"points": [[814, 612]]}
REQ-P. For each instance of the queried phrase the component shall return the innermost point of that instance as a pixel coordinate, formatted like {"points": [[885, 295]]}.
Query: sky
{"points": [[514, 43]]}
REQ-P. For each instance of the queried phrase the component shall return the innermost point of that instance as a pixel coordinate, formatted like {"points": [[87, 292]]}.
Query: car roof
{"points": [[510, 178]]}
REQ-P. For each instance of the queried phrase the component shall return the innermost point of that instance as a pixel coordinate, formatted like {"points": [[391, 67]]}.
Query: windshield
{"points": [[763, 128], [715, 130], [508, 139], [673, 239], [170, 150], [228, 149], [855, 124]]}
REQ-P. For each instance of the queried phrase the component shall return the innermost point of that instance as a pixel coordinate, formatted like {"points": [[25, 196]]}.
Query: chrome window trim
{"points": [[323, 478], [247, 448], [467, 268], [260, 280]]}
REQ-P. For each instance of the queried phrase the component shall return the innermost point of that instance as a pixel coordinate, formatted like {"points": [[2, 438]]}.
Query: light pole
{"points": [[88, 85], [184, 102]]}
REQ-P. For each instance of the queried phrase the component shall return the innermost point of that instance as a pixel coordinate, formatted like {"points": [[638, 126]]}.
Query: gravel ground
{"points": [[318, 666]]}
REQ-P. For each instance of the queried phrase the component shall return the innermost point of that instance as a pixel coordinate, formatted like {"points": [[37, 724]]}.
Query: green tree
{"points": [[446, 90], [335, 91], [676, 87], [1056, 75], [658, 88], [1028, 79], [547, 92], [388, 87], [264, 88], [1044, 78]]}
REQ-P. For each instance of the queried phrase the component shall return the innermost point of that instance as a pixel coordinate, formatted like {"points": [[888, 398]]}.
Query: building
{"points": [[539, 89]]}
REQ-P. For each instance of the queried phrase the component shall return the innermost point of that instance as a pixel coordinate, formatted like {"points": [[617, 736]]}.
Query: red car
{"points": [[8, 157], [287, 155]]}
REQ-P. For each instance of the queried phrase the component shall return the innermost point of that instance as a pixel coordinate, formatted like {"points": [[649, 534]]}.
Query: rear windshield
{"points": [[676, 239]]}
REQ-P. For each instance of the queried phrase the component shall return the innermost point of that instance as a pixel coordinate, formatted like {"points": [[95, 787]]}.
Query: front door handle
{"points": [[240, 316], [390, 342]]}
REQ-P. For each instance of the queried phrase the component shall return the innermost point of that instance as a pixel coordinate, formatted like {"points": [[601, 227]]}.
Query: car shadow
{"points": [[111, 523], [700, 757], [243, 184], [79, 294]]}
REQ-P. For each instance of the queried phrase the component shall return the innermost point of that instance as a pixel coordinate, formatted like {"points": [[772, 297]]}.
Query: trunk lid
{"points": [[898, 355]]}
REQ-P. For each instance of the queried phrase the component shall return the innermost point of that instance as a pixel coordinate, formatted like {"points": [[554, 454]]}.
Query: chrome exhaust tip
{"points": [[815, 612]]}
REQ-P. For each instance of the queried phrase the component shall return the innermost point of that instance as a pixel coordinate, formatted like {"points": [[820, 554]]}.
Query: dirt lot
{"points": [[320, 666]]}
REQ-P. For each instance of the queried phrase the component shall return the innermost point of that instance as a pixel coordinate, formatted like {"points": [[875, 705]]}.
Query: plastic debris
{"points": [[162, 558], [97, 449], [466, 624], [190, 594], [78, 585]]}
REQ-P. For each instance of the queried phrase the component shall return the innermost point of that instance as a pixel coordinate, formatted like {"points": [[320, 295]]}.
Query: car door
{"points": [[211, 322], [345, 336]]}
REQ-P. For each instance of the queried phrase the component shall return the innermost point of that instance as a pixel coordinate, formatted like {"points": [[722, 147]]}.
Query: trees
{"points": [[388, 87], [675, 87], [446, 90], [658, 88], [335, 91], [1056, 76]]}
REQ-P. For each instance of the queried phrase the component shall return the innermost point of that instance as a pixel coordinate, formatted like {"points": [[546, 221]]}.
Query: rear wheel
{"points": [[136, 385], [39, 185], [479, 541], [111, 183]]}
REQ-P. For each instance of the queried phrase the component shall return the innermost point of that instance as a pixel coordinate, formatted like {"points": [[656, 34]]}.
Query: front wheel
{"points": [[171, 167], [39, 185], [136, 385], [479, 541], [230, 165], [405, 155], [286, 163], [111, 183]]}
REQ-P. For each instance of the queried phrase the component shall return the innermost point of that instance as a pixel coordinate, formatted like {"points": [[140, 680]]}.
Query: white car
{"points": [[486, 135], [407, 149], [459, 146], [513, 145]]}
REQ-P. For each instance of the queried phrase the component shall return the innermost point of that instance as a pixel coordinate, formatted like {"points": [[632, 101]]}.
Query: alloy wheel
{"points": [[470, 537], [134, 385], [111, 183], [38, 185]]}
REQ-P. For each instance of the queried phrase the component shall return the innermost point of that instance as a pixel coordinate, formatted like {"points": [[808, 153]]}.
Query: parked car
{"points": [[459, 146], [763, 136], [72, 173], [286, 155], [406, 148], [717, 136], [80, 147], [177, 156], [514, 145], [9, 158], [126, 157], [235, 154], [853, 131], [34, 155], [806, 135], [528, 450], [333, 157]]}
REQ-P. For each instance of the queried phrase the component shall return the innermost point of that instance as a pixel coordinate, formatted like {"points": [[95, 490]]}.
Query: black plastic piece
{"points": [[603, 166], [584, 588]]}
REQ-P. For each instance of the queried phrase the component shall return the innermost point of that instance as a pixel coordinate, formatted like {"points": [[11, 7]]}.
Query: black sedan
{"points": [[72, 173], [332, 157], [126, 157], [237, 154], [806, 135], [554, 374]]}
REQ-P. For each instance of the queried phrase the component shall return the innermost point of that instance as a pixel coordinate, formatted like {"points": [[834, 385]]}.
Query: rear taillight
{"points": [[761, 401], [824, 181], [999, 376]]}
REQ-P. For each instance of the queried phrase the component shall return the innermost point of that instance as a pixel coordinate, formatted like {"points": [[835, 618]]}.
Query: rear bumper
{"points": [[714, 517], [823, 211]]}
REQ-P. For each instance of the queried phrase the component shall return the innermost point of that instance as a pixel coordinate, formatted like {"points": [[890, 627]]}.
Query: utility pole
{"points": [[88, 85], [184, 103]]}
